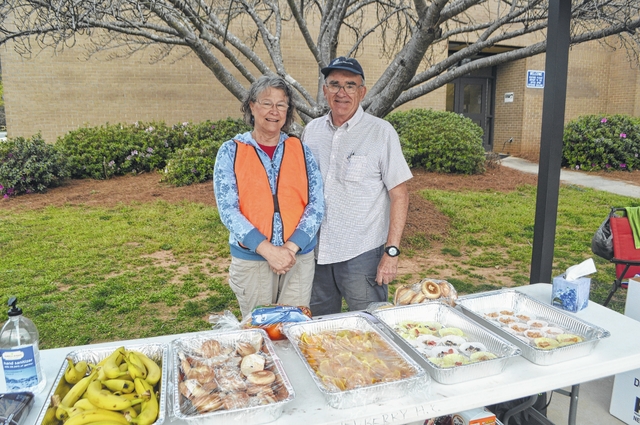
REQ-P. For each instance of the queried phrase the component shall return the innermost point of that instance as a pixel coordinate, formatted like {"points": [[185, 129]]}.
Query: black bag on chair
{"points": [[602, 241]]}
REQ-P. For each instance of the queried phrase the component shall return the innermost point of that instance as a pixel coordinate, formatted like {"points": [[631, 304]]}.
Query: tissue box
{"points": [[479, 416], [570, 295]]}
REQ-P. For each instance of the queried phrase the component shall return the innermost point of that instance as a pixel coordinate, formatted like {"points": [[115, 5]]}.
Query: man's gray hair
{"points": [[261, 84]]}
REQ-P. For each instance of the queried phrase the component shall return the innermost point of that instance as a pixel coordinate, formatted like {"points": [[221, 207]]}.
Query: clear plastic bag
{"points": [[224, 322], [15, 407], [272, 319]]}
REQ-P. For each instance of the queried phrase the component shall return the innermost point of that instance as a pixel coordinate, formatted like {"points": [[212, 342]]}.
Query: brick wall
{"points": [[508, 115], [600, 81], [55, 93]]}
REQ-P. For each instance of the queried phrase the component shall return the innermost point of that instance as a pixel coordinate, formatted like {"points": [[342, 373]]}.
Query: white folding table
{"points": [[618, 353]]}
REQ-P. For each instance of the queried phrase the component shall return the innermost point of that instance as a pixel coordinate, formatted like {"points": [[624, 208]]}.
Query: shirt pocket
{"points": [[355, 169]]}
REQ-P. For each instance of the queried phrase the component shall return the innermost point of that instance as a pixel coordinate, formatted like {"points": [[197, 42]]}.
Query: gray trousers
{"points": [[354, 279]]}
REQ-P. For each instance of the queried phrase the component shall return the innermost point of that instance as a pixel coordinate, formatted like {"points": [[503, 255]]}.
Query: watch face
{"points": [[392, 251]]}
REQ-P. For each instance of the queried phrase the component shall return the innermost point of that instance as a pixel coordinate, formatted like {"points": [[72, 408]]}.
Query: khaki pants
{"points": [[255, 284]]}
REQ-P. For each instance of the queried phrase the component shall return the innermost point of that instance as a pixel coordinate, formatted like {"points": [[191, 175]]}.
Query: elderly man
{"points": [[366, 197]]}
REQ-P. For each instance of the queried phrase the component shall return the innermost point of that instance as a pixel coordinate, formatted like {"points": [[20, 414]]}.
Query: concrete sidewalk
{"points": [[577, 178], [595, 396]]}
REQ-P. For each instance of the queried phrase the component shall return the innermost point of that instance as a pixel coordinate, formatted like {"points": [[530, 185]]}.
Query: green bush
{"points": [[440, 141], [116, 149], [597, 142], [194, 163], [101, 152], [30, 165]]}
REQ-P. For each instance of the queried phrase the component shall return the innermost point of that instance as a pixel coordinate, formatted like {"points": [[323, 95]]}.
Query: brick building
{"points": [[54, 93]]}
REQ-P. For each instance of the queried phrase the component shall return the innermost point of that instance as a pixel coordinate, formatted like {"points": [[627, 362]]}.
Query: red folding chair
{"points": [[625, 255]]}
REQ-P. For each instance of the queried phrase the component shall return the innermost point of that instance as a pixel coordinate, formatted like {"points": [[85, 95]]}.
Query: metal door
{"points": [[472, 99]]}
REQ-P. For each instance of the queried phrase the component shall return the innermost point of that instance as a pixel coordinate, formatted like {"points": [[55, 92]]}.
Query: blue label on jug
{"points": [[19, 366]]}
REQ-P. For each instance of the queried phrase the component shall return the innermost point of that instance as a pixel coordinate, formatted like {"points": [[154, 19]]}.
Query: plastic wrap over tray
{"points": [[450, 318], [156, 351], [478, 306], [356, 327], [244, 409]]}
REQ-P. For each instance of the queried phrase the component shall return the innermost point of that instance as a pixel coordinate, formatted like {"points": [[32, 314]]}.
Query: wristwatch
{"points": [[392, 251]]}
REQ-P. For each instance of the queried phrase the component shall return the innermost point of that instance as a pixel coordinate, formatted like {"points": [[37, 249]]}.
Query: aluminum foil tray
{"points": [[477, 306], [252, 414], [449, 317], [156, 352], [417, 384]]}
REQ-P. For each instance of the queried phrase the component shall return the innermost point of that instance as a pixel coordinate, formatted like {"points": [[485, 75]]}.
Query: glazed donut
{"points": [[418, 298], [235, 400], [445, 289], [202, 374], [431, 289], [266, 396], [404, 295], [210, 348], [252, 363], [253, 389], [207, 403], [263, 377], [245, 348]]}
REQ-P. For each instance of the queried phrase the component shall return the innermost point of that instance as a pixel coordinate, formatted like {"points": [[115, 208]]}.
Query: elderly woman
{"points": [[269, 194]]}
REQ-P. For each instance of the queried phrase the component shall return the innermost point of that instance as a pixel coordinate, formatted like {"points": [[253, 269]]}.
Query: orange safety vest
{"points": [[257, 203]]}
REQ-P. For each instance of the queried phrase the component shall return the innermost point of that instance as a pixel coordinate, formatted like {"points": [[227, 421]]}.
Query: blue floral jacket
{"points": [[240, 229]]}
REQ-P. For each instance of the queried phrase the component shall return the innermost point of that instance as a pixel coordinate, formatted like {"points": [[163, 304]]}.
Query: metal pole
{"points": [[555, 94]]}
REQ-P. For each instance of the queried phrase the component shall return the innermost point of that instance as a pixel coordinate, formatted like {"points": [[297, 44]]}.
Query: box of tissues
{"points": [[571, 290]]}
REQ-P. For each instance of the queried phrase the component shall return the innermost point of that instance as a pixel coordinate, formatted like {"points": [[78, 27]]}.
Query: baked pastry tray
{"points": [[157, 352], [480, 307], [437, 312], [247, 413], [415, 382]]}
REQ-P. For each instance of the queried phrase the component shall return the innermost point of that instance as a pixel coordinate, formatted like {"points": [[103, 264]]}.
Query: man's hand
{"points": [[280, 259], [387, 270]]}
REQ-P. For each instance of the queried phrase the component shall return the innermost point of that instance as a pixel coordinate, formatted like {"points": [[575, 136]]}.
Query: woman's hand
{"points": [[280, 259]]}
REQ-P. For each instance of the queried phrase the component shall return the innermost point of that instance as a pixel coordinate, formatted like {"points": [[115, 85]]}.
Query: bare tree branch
{"points": [[238, 40]]}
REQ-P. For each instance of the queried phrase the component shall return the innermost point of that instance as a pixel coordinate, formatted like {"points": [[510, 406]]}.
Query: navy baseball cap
{"points": [[346, 64]]}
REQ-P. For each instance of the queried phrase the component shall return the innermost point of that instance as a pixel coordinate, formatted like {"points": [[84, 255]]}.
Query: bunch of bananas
{"points": [[121, 389]]}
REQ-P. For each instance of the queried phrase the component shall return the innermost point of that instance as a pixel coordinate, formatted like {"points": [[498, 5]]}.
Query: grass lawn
{"points": [[88, 274]]}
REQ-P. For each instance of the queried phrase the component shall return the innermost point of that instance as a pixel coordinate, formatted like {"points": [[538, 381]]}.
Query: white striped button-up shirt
{"points": [[359, 162]]}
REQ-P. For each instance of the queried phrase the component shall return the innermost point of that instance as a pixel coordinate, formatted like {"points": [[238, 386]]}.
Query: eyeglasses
{"points": [[349, 88], [267, 104]]}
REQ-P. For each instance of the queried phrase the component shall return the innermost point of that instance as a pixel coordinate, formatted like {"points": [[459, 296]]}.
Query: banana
{"points": [[63, 388], [131, 411], [136, 368], [154, 373], [104, 399], [75, 393], [111, 364], [150, 407], [50, 416], [63, 412], [98, 415], [130, 396], [75, 372], [120, 385], [85, 404], [105, 423]]}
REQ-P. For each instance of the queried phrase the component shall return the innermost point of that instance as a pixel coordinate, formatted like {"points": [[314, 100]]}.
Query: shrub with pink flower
{"points": [[593, 142]]}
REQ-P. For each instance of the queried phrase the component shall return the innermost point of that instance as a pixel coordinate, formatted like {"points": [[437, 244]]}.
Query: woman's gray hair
{"points": [[261, 84]]}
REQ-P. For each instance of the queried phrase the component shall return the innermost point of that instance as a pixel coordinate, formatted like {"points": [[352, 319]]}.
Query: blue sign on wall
{"points": [[535, 79]]}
